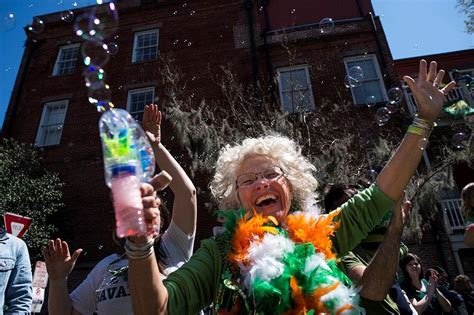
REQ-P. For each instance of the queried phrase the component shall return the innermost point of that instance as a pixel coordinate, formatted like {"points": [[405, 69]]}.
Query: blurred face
{"points": [[414, 269], [262, 186]]}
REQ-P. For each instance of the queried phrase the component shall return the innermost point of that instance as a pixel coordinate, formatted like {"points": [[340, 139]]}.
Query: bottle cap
{"points": [[123, 169]]}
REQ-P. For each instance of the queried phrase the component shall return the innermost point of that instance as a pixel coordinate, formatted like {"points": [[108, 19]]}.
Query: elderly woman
{"points": [[271, 260]]}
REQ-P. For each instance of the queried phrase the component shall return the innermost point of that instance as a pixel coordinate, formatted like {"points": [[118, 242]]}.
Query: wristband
{"points": [[418, 131], [139, 251]]}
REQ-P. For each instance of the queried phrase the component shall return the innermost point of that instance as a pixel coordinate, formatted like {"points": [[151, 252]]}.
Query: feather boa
{"points": [[290, 270]]}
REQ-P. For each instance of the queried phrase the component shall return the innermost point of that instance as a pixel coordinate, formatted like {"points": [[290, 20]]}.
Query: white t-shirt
{"points": [[105, 290]]}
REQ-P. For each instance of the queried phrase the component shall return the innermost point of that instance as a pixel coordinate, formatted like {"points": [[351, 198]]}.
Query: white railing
{"points": [[453, 217], [459, 92]]}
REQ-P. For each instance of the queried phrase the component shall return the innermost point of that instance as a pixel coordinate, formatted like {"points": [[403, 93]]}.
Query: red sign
{"points": [[40, 275], [16, 224]]}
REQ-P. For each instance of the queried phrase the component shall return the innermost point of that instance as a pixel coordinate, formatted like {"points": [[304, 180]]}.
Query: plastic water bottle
{"points": [[128, 161]]}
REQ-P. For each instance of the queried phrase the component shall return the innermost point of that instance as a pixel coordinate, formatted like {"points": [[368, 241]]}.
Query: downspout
{"points": [[248, 7], [377, 40], [30, 46], [359, 7], [374, 28], [439, 246], [271, 87]]}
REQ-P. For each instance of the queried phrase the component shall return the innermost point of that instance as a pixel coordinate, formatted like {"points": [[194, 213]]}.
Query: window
{"points": [[51, 126], [371, 83], [66, 60], [145, 46], [137, 99], [296, 94]]}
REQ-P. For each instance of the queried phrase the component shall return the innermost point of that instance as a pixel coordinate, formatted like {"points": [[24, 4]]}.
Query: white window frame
{"points": [[372, 57], [310, 87], [56, 63], [136, 91], [469, 71], [44, 125], [135, 42]]}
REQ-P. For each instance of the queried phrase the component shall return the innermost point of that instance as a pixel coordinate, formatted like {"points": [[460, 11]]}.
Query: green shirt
{"points": [[193, 286]]}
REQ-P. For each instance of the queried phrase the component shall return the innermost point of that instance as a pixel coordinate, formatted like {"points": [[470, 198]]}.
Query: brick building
{"points": [[49, 104], [446, 235]]}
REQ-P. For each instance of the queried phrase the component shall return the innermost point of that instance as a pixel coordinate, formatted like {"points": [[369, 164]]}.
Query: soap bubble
{"points": [[326, 25], [112, 48], [392, 108], [36, 27], [382, 116], [395, 95], [67, 16], [98, 23], [94, 54], [423, 144], [94, 77], [356, 72], [7, 20], [371, 175], [350, 82], [370, 101], [101, 97], [459, 140]]}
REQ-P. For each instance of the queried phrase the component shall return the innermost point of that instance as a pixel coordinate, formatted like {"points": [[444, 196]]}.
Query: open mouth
{"points": [[266, 200]]}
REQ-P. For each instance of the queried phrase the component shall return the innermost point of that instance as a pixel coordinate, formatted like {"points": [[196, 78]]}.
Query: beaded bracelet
{"points": [[421, 127], [139, 251], [423, 123]]}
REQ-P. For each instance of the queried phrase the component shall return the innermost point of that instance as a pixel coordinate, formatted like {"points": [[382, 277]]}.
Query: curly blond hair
{"points": [[286, 154]]}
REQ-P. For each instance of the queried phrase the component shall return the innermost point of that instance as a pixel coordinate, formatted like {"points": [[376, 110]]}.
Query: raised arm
{"points": [[148, 294], [59, 264], [187, 290], [429, 98], [443, 301], [184, 204], [422, 304], [378, 277]]}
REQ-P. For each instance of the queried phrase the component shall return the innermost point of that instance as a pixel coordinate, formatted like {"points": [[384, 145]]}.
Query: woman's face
{"points": [[269, 192], [414, 269]]}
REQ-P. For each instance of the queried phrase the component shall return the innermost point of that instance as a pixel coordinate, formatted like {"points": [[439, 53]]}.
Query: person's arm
{"points": [[469, 236], [148, 294], [422, 304], [430, 99], [185, 291], [19, 294], [443, 301], [59, 264], [184, 203], [378, 277]]}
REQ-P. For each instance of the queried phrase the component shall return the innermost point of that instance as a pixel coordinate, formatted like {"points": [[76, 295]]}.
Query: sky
{"points": [[413, 28]]}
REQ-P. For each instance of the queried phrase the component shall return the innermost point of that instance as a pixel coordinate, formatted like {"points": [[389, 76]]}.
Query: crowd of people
{"points": [[276, 251]]}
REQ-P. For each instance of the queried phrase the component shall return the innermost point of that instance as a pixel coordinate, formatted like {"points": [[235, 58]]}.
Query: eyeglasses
{"points": [[270, 173]]}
